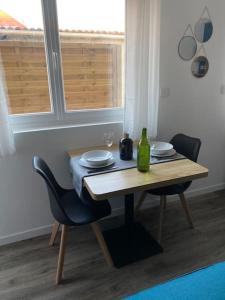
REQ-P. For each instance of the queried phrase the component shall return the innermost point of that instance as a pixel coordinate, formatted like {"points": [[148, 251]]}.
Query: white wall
{"points": [[194, 107], [24, 204]]}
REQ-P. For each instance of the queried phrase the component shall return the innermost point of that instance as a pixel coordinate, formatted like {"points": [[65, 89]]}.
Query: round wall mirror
{"points": [[203, 30], [187, 47], [200, 66]]}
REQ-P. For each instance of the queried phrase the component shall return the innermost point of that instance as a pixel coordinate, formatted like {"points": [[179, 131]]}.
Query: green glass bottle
{"points": [[143, 152]]}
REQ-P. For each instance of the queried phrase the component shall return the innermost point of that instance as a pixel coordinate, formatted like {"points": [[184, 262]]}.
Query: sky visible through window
{"points": [[107, 15]]}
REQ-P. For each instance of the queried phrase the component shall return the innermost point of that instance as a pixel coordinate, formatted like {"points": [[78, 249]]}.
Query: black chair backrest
{"points": [[54, 189], [186, 145], [189, 147]]}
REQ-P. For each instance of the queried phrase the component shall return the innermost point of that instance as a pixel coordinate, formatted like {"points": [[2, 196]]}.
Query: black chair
{"points": [[189, 147], [69, 209]]}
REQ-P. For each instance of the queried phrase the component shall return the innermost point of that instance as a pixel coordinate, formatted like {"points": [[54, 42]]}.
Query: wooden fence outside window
{"points": [[92, 64]]}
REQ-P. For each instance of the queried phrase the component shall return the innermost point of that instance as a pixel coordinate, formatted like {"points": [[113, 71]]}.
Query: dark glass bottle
{"points": [[143, 152], [126, 148]]}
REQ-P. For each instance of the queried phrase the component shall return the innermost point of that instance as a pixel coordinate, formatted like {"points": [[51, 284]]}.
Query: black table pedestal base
{"points": [[128, 244]]}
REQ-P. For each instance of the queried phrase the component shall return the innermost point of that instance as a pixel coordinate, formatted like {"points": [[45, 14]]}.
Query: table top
{"points": [[122, 182]]}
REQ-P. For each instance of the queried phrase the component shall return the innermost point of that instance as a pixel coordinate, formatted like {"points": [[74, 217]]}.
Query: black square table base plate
{"points": [[130, 244]]}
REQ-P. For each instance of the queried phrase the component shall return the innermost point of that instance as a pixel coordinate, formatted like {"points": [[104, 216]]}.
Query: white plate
{"points": [[167, 154], [97, 157], [159, 148], [86, 164]]}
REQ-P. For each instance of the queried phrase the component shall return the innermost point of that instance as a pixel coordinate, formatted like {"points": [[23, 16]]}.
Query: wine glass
{"points": [[108, 138]]}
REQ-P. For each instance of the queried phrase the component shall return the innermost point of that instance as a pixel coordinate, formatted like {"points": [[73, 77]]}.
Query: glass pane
{"points": [[23, 56], [92, 48]]}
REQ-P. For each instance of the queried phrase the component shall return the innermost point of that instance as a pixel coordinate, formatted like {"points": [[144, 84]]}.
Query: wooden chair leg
{"points": [[55, 228], [61, 253], [141, 201], [162, 208], [97, 231], [186, 210]]}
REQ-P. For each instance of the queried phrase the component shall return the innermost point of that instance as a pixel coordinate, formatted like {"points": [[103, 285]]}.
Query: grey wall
{"points": [[24, 208], [195, 107]]}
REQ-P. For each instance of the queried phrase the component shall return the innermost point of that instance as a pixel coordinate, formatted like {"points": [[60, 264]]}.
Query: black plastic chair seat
{"points": [[69, 209], [171, 190], [79, 213], [189, 147], [66, 205]]}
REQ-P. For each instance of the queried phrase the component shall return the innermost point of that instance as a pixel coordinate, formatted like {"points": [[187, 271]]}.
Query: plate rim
{"points": [[109, 153], [86, 164], [162, 143], [166, 154]]}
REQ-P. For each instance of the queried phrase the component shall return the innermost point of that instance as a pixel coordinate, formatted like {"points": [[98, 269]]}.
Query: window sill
{"points": [[73, 119], [58, 127]]}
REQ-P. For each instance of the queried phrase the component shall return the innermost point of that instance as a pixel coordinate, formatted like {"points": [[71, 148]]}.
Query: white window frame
{"points": [[59, 117]]}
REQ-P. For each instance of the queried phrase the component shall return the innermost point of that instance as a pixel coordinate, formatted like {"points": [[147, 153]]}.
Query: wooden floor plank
{"points": [[27, 268]]}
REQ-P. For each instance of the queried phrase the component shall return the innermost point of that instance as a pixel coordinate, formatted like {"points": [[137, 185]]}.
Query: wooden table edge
{"points": [[168, 182]]}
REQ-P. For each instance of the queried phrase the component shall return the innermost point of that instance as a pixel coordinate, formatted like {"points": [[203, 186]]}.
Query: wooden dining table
{"points": [[131, 241]]}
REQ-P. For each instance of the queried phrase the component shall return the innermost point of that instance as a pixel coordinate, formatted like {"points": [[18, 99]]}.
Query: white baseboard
{"points": [[38, 231], [190, 193], [24, 235], [206, 190]]}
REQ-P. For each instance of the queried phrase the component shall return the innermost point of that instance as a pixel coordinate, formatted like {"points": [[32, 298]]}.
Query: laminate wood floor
{"points": [[27, 268]]}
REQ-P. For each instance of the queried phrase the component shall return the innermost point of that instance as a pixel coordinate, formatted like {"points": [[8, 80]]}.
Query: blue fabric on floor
{"points": [[204, 284]]}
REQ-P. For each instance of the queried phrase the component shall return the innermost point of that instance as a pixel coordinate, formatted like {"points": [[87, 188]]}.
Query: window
{"points": [[66, 65], [91, 55], [23, 57]]}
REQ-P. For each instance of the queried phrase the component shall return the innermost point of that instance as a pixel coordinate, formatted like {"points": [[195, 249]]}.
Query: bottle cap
{"points": [[126, 135]]}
